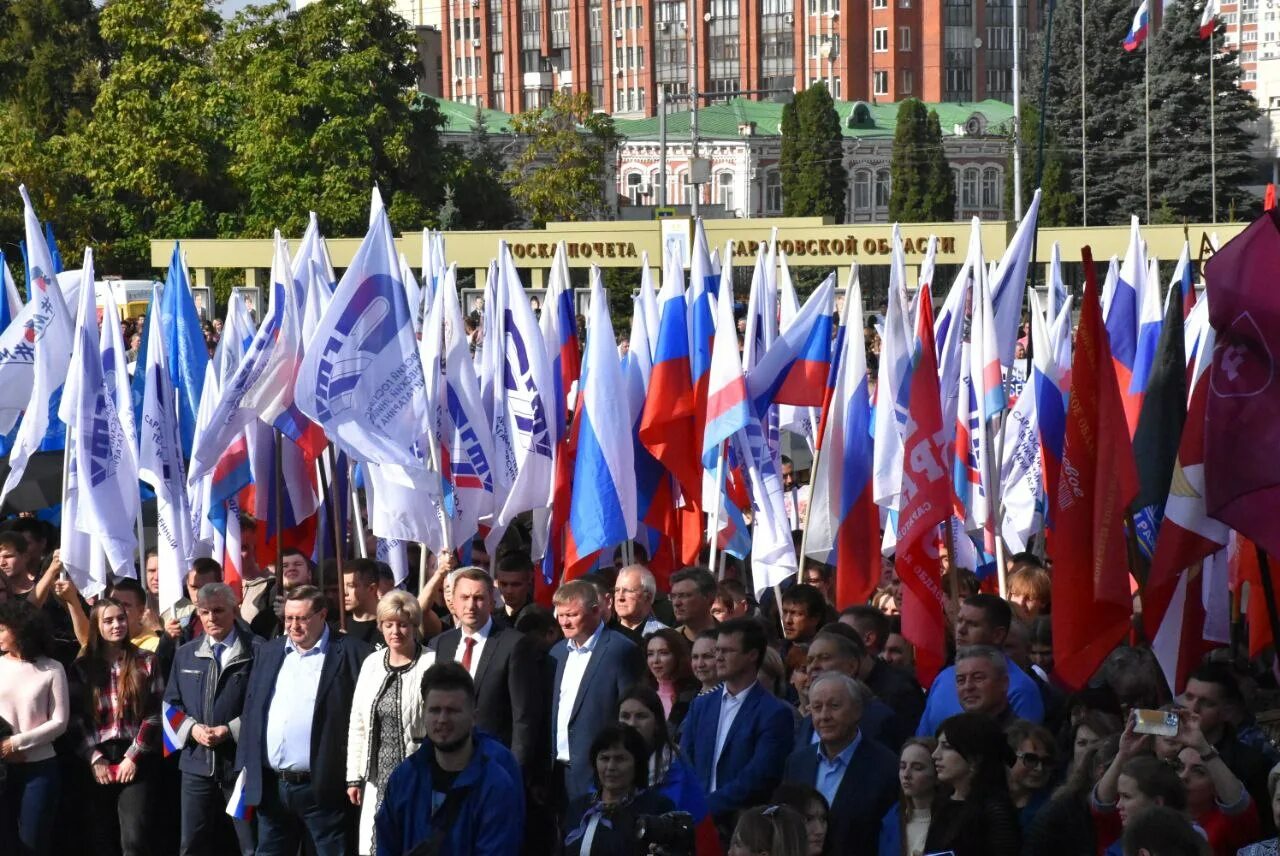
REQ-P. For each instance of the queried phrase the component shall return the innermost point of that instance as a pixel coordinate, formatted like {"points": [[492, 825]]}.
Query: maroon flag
{"points": [[1092, 604], [1242, 418]]}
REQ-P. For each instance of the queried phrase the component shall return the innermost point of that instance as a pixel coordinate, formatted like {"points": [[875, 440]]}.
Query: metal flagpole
{"points": [[279, 514], [1213, 137], [1017, 120], [1146, 109], [1084, 133]]}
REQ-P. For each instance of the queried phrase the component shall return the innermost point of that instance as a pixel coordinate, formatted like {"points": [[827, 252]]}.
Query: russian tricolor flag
{"points": [[236, 806], [844, 524], [1122, 322], [171, 720], [796, 368], [727, 411], [703, 278], [1138, 29], [603, 510]]}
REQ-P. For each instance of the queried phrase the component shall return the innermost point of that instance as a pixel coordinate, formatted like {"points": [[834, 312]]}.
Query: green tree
{"points": [[480, 198], [320, 106], [562, 172], [940, 189], [1113, 116], [149, 155], [814, 181], [1180, 130], [50, 55], [908, 172]]}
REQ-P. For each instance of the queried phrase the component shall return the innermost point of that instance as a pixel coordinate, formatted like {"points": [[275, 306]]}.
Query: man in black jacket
{"points": [[203, 701], [293, 733], [504, 665]]}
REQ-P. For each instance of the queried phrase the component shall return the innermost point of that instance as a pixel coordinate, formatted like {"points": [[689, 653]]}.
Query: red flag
{"points": [[1092, 603], [1269, 202], [1242, 421], [926, 493]]}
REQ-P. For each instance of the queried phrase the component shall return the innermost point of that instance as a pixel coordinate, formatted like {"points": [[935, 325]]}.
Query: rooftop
{"points": [[858, 119]]}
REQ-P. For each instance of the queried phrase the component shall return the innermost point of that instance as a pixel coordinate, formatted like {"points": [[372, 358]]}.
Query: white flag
{"points": [[160, 465], [47, 329]]}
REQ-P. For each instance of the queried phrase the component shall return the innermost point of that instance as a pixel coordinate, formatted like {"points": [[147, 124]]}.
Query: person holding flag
{"points": [[200, 718]]}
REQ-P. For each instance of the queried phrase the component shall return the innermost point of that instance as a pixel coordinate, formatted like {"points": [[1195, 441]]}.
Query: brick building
{"points": [[512, 54]]}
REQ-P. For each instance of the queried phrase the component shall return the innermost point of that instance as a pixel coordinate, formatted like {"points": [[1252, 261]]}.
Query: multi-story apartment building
{"points": [[512, 54]]}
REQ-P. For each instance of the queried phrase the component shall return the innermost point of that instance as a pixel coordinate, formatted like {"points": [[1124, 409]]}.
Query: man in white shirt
{"points": [[594, 667]]}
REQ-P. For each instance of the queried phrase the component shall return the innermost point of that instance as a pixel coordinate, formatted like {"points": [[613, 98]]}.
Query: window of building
{"points": [[880, 4], [724, 189], [862, 190], [880, 39], [882, 188], [773, 191], [634, 182], [907, 82], [969, 189], [836, 88], [904, 38], [880, 82], [991, 188]]}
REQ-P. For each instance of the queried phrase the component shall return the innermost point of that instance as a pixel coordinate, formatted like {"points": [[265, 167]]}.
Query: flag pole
{"points": [[332, 499], [1084, 125], [995, 456], [713, 522], [279, 511], [1213, 138], [804, 521], [1146, 109], [358, 528]]}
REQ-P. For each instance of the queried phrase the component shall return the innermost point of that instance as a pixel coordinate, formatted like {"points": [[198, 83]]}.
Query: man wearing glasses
{"points": [[293, 738], [633, 596]]}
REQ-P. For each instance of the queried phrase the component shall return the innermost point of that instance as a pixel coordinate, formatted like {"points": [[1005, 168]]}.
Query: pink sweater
{"points": [[34, 701]]}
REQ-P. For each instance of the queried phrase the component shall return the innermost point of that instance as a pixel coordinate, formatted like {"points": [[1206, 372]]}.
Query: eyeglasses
{"points": [[629, 592], [1031, 759]]}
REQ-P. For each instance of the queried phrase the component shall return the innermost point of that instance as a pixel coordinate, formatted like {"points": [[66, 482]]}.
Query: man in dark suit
{"points": [[595, 666], [858, 776], [837, 648], [738, 737], [293, 731], [504, 665]]}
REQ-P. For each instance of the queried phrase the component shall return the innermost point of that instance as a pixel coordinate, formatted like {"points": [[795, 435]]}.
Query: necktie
{"points": [[469, 644], [218, 648]]}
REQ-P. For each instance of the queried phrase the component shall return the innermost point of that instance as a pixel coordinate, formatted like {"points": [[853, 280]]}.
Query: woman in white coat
{"points": [[388, 720]]}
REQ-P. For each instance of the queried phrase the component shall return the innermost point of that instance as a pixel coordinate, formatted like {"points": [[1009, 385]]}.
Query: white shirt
{"points": [[480, 636], [575, 667], [293, 706], [226, 647], [729, 706]]}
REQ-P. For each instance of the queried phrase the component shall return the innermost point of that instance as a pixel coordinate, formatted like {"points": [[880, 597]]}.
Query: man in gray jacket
{"points": [[201, 719]]}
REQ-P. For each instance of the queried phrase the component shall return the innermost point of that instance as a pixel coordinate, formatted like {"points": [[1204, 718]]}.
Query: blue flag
{"points": [[187, 354], [53, 247]]}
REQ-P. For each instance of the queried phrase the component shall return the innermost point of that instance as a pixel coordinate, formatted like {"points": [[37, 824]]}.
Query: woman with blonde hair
{"points": [[387, 714], [903, 830]]}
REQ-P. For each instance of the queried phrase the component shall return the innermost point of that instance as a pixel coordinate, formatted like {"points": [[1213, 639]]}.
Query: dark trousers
{"points": [[289, 814], [28, 807], [206, 826], [121, 824]]}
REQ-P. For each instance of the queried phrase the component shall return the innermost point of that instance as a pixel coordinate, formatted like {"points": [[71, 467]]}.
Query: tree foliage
{"points": [[1057, 201], [1113, 144], [321, 107], [50, 55], [921, 188], [811, 168], [475, 191], [562, 172]]}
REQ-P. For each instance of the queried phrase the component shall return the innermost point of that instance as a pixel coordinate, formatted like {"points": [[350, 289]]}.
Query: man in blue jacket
{"points": [[738, 738], [204, 699], [461, 792]]}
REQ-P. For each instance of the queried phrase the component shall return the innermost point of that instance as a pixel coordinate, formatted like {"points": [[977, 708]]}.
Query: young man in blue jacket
{"points": [[461, 792]]}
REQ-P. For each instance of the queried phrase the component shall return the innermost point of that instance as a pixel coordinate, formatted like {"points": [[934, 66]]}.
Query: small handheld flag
{"points": [[171, 722], [236, 806]]}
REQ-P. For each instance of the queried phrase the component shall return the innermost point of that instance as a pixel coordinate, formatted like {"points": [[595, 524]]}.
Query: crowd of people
{"points": [[467, 718]]}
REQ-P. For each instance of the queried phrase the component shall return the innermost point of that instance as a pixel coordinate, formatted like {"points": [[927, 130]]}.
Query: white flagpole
{"points": [[1213, 136], [713, 522], [1084, 132], [1017, 121], [1146, 109]]}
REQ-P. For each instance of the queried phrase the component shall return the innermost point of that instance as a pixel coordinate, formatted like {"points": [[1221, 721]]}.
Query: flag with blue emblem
{"points": [[188, 354]]}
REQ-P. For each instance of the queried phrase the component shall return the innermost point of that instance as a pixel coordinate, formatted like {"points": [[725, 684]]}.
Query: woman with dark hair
{"points": [[811, 805], [1032, 772], [1065, 826], [1088, 728], [775, 830], [34, 711], [905, 826], [604, 823], [670, 672], [972, 814], [123, 687]]}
